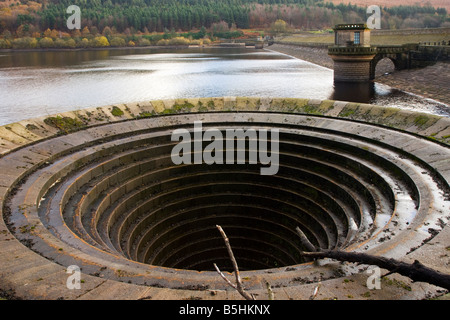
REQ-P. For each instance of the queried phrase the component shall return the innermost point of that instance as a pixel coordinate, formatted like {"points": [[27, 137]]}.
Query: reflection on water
{"points": [[379, 94], [355, 92], [45, 59], [41, 83]]}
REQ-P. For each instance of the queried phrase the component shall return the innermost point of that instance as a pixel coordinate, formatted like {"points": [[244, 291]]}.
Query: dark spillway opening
{"points": [[259, 213]]}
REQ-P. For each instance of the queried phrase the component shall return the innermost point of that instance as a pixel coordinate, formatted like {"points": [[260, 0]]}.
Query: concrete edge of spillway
{"points": [[26, 274]]}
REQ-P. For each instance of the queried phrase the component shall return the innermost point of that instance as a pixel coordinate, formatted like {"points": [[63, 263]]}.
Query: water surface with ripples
{"points": [[42, 83]]}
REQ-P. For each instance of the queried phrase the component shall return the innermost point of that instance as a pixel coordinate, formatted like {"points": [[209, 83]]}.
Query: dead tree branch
{"points": [[316, 291], [270, 293], [238, 286], [231, 284], [416, 271], [305, 241]]}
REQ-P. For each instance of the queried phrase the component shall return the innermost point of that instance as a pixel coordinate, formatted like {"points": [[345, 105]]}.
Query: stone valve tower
{"points": [[352, 53]]}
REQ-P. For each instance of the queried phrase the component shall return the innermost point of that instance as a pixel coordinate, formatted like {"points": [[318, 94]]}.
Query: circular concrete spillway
{"points": [[98, 189]]}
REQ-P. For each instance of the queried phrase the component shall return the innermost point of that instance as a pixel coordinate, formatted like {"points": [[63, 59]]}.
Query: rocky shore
{"points": [[431, 82]]}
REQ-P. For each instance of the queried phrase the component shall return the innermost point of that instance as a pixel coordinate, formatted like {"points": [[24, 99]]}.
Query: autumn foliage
{"points": [[42, 23]]}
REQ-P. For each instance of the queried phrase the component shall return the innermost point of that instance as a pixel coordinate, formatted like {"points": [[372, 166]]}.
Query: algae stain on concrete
{"points": [[117, 112], [64, 124]]}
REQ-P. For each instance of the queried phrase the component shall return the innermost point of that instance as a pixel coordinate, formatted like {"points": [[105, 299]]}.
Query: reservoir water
{"points": [[40, 83]]}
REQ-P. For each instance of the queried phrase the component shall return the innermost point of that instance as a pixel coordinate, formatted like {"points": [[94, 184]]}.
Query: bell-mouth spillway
{"points": [[97, 188]]}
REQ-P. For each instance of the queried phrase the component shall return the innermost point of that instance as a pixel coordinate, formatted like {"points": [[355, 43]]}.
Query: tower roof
{"points": [[351, 26]]}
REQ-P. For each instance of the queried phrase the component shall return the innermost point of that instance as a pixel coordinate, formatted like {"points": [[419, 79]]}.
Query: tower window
{"points": [[357, 39]]}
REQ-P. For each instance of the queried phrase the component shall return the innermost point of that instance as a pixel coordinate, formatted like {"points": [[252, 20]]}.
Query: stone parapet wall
{"points": [[411, 31], [19, 134]]}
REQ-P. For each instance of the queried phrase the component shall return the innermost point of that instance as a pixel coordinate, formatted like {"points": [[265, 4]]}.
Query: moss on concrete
{"points": [[309, 107], [247, 104], [64, 124], [158, 106], [146, 114], [288, 104], [31, 127], [421, 120], [430, 126], [201, 107], [326, 106], [117, 112], [349, 110], [182, 107]]}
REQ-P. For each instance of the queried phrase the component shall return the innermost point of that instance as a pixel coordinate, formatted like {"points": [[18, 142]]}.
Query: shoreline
{"points": [[95, 49], [115, 48], [429, 82]]}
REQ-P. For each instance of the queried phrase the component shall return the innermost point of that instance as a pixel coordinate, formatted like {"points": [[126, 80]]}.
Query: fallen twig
{"points": [[316, 291], [270, 293], [305, 241], [238, 286], [415, 271]]}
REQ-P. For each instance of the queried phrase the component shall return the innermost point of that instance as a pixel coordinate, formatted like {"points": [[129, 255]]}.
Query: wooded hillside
{"points": [[129, 16]]}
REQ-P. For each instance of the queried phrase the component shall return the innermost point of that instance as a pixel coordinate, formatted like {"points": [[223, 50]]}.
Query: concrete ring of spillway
{"points": [[96, 189]]}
